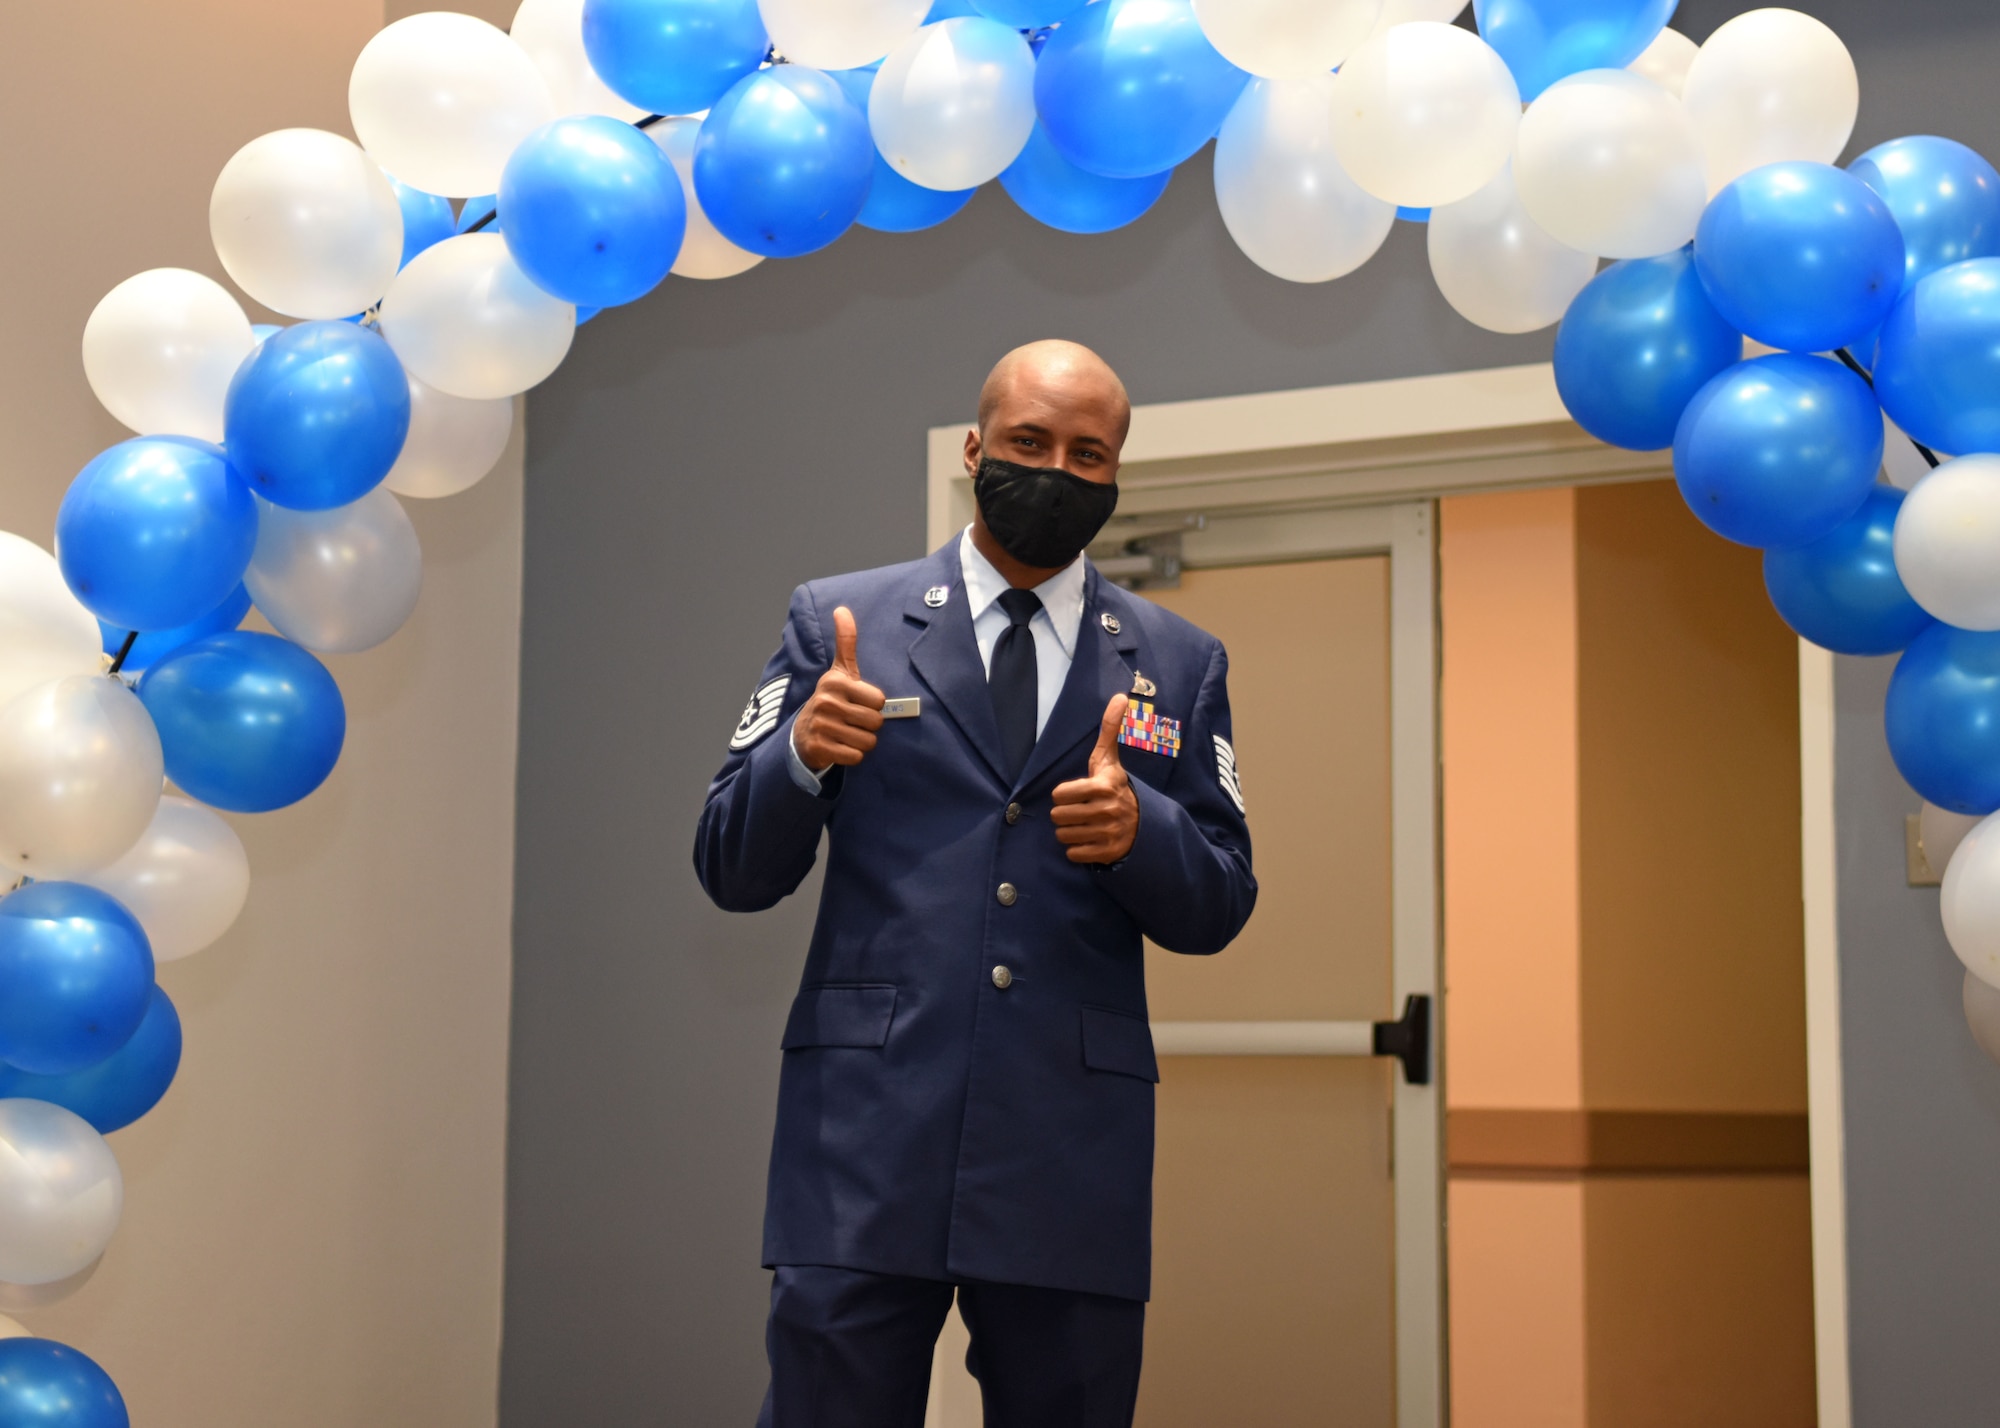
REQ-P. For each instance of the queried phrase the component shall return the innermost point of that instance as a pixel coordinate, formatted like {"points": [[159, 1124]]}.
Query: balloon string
{"points": [[649, 121], [1862, 372], [118, 662], [484, 220]]}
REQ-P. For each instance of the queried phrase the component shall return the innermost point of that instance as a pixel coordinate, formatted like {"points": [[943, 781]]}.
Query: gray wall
{"points": [[701, 453]]}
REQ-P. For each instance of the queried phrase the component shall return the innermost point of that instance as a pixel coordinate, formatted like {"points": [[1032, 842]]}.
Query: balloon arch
{"points": [[600, 145]]}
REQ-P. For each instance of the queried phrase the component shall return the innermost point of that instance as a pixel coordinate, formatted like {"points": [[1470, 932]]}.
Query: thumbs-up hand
{"points": [[1097, 816], [837, 724]]}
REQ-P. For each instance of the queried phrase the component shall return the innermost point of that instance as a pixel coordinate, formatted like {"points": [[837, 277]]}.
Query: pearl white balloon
{"points": [[1982, 1014], [186, 878], [1771, 85], [1607, 162], [1288, 39], [1402, 12], [336, 581], [442, 99], [839, 34], [19, 1298], [954, 103], [60, 1193], [1970, 902], [159, 350], [1947, 536], [453, 441], [45, 633], [551, 33], [1497, 267], [1666, 61], [306, 224], [465, 319], [1941, 831], [1425, 113], [80, 776], [705, 253], [1284, 195]]}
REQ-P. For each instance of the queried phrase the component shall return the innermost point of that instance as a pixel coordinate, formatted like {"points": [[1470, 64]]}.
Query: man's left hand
{"points": [[1097, 817]]}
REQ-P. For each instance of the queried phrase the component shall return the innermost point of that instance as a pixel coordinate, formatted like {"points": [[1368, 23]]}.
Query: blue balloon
{"points": [[673, 56], [1802, 257], [122, 1087], [951, 10], [1021, 14], [1052, 190], [1779, 450], [895, 205], [262, 330], [595, 213], [156, 532], [247, 721], [1942, 717], [1636, 345], [783, 162], [150, 647], [485, 206], [1945, 197], [426, 219], [1938, 369], [585, 314], [44, 1384], [317, 415], [1412, 215], [76, 974], [1130, 88], [1842, 591], [1547, 40]]}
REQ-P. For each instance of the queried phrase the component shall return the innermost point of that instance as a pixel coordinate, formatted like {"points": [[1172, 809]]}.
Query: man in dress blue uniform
{"points": [[1034, 773]]}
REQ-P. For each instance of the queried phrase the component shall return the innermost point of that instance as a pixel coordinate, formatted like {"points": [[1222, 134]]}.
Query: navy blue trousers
{"points": [[850, 1349]]}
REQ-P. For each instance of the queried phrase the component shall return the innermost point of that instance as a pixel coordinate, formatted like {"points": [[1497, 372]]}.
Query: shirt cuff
{"points": [[804, 777]]}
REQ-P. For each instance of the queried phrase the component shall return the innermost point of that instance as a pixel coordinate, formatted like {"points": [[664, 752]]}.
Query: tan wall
{"points": [[312, 1231]]}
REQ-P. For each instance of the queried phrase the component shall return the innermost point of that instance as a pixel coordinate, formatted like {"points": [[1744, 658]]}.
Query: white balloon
{"points": [[1941, 831], [1771, 85], [839, 34], [1402, 12], [45, 633], [1497, 267], [20, 1297], [453, 441], [1982, 1014], [464, 318], [954, 103], [1284, 195], [159, 350], [442, 99], [336, 581], [551, 32], [80, 776], [186, 878], [1947, 538], [1607, 162], [1425, 113], [306, 224], [1666, 61], [1970, 902], [60, 1193], [705, 253], [1289, 39]]}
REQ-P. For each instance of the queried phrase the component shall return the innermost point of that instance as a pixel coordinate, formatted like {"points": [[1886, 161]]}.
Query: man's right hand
{"points": [[837, 724]]}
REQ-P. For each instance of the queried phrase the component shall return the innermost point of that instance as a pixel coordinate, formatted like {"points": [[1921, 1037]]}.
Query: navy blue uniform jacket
{"points": [[932, 1123]]}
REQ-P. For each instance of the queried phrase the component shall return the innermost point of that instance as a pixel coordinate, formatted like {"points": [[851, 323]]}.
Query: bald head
{"points": [[1058, 372], [1052, 404]]}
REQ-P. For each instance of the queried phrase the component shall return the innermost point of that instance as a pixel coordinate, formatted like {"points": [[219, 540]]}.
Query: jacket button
{"points": [[1007, 894], [1002, 978], [1013, 813]]}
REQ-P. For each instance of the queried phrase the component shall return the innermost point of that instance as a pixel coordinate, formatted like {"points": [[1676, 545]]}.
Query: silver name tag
{"points": [[902, 708]]}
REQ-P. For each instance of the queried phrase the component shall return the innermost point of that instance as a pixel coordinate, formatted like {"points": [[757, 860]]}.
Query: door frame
{"points": [[1357, 469]]}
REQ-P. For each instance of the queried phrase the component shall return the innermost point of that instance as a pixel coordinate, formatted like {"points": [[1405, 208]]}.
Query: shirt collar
{"points": [[1061, 594]]}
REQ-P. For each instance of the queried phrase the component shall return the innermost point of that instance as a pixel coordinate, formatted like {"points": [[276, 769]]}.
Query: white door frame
{"points": [[1355, 469]]}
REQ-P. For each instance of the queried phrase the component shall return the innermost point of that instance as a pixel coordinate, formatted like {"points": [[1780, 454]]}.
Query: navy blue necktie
{"points": [[1012, 680]]}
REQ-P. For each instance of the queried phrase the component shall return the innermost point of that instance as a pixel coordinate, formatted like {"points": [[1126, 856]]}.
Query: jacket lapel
{"points": [[1096, 673], [946, 657]]}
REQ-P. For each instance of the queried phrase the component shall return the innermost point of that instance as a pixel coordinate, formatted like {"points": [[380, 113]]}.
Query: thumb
{"points": [[844, 637], [1106, 751]]}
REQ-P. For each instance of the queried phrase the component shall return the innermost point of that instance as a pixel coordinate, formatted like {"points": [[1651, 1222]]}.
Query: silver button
{"points": [[1007, 894], [1002, 978], [1013, 813]]}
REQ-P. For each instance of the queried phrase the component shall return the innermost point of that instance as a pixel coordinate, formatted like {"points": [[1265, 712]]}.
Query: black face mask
{"points": [[1042, 515]]}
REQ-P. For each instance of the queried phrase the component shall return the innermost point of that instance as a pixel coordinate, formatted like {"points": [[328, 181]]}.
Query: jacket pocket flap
{"points": [[841, 1016], [1116, 1041]]}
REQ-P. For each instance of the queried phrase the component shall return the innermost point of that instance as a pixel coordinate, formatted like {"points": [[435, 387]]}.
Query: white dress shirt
{"points": [[1054, 629]]}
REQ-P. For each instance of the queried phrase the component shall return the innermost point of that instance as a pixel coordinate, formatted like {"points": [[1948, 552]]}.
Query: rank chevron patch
{"points": [[760, 715], [1225, 769]]}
